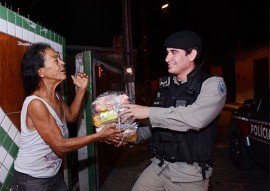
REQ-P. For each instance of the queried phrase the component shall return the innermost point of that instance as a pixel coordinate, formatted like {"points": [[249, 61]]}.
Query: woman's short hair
{"points": [[32, 60]]}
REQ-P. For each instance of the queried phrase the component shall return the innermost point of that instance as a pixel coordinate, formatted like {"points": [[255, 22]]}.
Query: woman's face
{"points": [[53, 69]]}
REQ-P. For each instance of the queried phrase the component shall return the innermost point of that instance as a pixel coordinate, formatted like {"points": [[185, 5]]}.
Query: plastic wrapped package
{"points": [[105, 109]]}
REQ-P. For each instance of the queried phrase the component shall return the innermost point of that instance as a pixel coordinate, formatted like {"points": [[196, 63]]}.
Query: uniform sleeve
{"points": [[204, 110]]}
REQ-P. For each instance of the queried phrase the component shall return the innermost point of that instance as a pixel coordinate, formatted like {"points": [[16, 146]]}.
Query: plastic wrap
{"points": [[105, 109]]}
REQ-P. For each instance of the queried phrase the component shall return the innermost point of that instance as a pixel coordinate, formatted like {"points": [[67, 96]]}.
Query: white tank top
{"points": [[35, 157]]}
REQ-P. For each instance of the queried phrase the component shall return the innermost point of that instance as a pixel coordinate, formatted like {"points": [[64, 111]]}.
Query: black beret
{"points": [[183, 40]]}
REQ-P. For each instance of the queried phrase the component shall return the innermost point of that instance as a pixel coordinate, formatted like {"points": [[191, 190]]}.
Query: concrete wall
{"points": [[244, 72]]}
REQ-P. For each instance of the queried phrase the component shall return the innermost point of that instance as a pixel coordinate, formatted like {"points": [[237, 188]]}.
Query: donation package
{"points": [[105, 109]]}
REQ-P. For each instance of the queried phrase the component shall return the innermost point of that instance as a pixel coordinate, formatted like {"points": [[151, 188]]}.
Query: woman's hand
{"points": [[80, 81], [110, 135], [134, 112]]}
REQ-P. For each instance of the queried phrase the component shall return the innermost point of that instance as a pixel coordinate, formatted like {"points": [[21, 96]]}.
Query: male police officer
{"points": [[183, 120]]}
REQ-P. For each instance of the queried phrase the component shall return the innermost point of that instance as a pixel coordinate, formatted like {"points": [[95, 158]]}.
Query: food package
{"points": [[105, 109], [130, 135]]}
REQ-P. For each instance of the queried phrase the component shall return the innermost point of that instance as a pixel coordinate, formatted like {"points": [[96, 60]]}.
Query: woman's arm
{"points": [[39, 118], [72, 111]]}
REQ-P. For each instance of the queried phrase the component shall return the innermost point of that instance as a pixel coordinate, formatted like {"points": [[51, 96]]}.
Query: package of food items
{"points": [[105, 109]]}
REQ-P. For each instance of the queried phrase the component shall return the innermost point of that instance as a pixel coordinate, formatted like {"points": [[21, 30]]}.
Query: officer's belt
{"points": [[210, 163]]}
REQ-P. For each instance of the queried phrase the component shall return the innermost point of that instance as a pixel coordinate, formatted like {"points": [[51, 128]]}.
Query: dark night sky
{"points": [[224, 25]]}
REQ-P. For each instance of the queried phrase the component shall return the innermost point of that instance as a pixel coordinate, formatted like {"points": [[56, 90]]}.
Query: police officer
{"points": [[183, 120]]}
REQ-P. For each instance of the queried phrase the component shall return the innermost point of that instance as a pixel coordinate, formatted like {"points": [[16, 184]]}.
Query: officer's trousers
{"points": [[150, 181]]}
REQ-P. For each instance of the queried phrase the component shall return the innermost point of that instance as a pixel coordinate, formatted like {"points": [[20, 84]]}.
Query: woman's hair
{"points": [[32, 60]]}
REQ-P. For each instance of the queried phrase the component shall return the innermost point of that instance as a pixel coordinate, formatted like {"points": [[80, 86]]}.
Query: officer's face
{"points": [[179, 63]]}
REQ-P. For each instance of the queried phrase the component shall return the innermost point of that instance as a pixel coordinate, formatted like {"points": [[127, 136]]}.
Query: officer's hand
{"points": [[133, 112]]}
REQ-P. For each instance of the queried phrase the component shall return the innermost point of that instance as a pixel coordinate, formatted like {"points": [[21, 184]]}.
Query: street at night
{"points": [[226, 177], [174, 66]]}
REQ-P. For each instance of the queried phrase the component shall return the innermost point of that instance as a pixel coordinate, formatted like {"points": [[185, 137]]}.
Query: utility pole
{"points": [[129, 73]]}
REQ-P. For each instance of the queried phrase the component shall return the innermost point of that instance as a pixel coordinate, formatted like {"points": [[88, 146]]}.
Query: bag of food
{"points": [[105, 109]]}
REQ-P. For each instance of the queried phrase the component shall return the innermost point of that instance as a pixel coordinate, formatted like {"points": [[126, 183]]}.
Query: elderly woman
{"points": [[44, 133]]}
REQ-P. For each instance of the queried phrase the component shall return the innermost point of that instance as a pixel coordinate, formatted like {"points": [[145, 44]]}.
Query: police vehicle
{"points": [[250, 134]]}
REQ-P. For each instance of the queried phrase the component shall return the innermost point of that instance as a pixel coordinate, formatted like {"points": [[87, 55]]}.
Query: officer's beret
{"points": [[183, 40]]}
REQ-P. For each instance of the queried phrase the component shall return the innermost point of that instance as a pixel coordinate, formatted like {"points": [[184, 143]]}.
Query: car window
{"points": [[264, 104]]}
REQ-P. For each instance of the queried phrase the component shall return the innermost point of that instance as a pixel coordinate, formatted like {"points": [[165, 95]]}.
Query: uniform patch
{"points": [[222, 89], [180, 103]]}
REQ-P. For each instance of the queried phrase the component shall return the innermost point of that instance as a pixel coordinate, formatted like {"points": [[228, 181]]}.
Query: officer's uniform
{"points": [[204, 110], [170, 168]]}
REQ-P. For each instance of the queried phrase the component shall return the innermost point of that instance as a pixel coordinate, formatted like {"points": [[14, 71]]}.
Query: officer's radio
{"points": [[164, 82]]}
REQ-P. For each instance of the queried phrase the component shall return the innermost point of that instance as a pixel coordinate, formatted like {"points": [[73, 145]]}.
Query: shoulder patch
{"points": [[222, 89]]}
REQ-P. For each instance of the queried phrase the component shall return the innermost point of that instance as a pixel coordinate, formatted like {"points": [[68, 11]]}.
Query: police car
{"points": [[250, 134]]}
